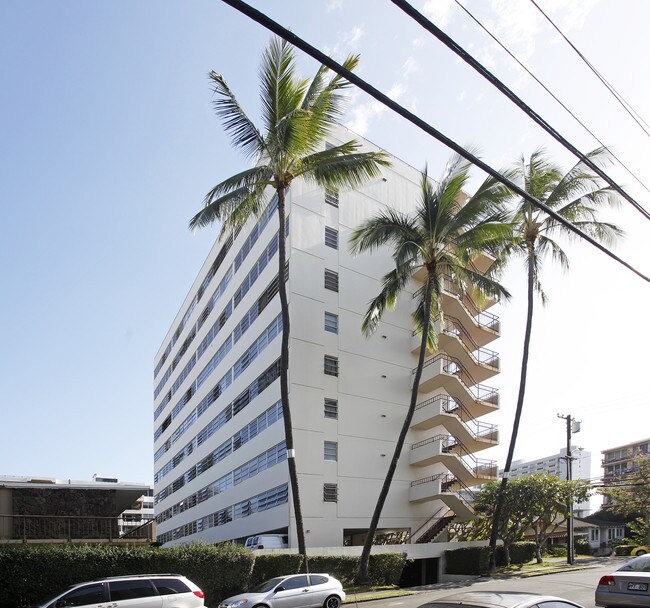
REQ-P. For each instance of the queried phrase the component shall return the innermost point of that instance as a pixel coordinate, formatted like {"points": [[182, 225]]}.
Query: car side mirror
{"points": [[280, 588]]}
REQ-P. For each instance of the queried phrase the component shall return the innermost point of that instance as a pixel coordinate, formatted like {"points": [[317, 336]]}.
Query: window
{"points": [[130, 590], [332, 197], [295, 582], [170, 586], [594, 534], [317, 579], [331, 323], [331, 280], [92, 594], [331, 408], [330, 492], [331, 237], [331, 450], [331, 365]]}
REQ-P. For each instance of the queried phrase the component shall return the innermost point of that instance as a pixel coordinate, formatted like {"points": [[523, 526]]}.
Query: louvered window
{"points": [[331, 280], [331, 237]]}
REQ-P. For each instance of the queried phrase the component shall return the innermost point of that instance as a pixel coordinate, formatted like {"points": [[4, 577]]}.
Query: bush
{"points": [[33, 573], [581, 546], [468, 560], [522, 552], [277, 564], [386, 568], [556, 550], [623, 549]]}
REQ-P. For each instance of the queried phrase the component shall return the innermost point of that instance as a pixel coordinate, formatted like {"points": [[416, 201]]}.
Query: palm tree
{"points": [[297, 114], [441, 237], [576, 196]]}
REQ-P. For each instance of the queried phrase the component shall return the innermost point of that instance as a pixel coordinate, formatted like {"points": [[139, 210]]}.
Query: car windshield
{"points": [[638, 564], [268, 585]]}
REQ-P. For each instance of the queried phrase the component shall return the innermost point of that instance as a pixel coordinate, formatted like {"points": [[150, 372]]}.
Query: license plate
{"points": [[637, 586]]}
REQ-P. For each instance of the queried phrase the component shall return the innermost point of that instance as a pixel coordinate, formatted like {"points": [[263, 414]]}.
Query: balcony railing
{"points": [[478, 467], [53, 527], [452, 366], [481, 355], [449, 405], [482, 318], [447, 483]]}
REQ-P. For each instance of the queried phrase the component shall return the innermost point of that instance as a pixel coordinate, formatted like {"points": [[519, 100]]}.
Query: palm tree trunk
{"points": [[362, 574], [496, 520], [284, 379]]}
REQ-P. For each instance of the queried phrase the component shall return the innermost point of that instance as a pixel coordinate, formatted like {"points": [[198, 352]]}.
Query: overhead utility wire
{"points": [[481, 69], [626, 105], [540, 83], [298, 42]]}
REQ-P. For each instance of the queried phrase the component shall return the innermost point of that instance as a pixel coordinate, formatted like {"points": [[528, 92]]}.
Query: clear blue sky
{"points": [[108, 143]]}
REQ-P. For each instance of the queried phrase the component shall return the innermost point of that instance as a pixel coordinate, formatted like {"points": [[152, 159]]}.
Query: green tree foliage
{"points": [[440, 238], [297, 115], [630, 495]]}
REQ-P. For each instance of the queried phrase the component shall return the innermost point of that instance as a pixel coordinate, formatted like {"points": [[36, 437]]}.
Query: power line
{"points": [[628, 108], [540, 83], [483, 71], [298, 42]]}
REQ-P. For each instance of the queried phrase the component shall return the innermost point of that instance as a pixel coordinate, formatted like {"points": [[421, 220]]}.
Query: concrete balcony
{"points": [[483, 326], [441, 487], [444, 372], [447, 450], [444, 411]]}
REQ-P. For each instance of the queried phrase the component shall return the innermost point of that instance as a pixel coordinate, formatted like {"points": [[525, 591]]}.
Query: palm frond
{"points": [[342, 170], [241, 129], [392, 285], [389, 225], [247, 179]]}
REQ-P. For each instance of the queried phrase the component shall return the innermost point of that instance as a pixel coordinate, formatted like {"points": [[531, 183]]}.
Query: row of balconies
{"points": [[461, 363]]}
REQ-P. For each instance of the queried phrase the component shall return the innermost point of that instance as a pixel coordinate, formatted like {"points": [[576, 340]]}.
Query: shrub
{"points": [[556, 550], [386, 568], [522, 552], [277, 564], [33, 573], [581, 546], [468, 560], [623, 549]]}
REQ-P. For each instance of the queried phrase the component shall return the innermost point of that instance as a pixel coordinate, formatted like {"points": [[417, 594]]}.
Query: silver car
{"points": [[628, 586], [295, 591], [499, 599]]}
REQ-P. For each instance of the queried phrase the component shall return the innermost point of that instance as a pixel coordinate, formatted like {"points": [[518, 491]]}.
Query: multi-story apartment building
{"points": [[138, 513], [220, 470], [557, 465], [619, 461]]}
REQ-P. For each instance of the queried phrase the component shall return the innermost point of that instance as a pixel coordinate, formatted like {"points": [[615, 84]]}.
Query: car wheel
{"points": [[333, 601], [641, 552]]}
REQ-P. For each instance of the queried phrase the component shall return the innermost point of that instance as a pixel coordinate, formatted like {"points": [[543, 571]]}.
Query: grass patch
{"points": [[365, 593]]}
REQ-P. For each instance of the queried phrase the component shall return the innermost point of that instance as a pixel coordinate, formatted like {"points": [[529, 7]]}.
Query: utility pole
{"points": [[571, 425]]}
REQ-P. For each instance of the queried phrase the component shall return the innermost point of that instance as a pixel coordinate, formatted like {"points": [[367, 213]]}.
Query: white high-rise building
{"points": [[220, 457], [557, 465]]}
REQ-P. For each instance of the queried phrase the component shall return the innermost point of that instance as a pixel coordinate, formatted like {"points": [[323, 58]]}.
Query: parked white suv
{"points": [[137, 591]]}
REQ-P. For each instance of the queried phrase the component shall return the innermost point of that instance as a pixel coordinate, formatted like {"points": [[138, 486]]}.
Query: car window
{"points": [[268, 585], [638, 564], [317, 580], [170, 586], [295, 582], [130, 590], [83, 596]]}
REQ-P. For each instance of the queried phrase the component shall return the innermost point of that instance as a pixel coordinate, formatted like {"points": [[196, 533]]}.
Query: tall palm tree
{"points": [[576, 196], [296, 115], [441, 237]]}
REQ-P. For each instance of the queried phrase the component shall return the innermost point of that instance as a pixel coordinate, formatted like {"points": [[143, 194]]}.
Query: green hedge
{"points": [[581, 546], [623, 549], [33, 573], [385, 568], [468, 560], [522, 552], [556, 550]]}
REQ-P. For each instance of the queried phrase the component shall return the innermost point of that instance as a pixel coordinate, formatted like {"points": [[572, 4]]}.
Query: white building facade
{"points": [[220, 458], [556, 465]]}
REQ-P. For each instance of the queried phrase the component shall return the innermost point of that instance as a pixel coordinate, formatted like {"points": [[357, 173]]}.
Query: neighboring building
{"points": [[138, 514], [37, 509], [619, 461], [219, 451], [557, 465], [599, 533]]}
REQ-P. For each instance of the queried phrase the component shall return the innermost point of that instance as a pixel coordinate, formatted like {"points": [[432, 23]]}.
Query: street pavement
{"points": [[576, 585]]}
